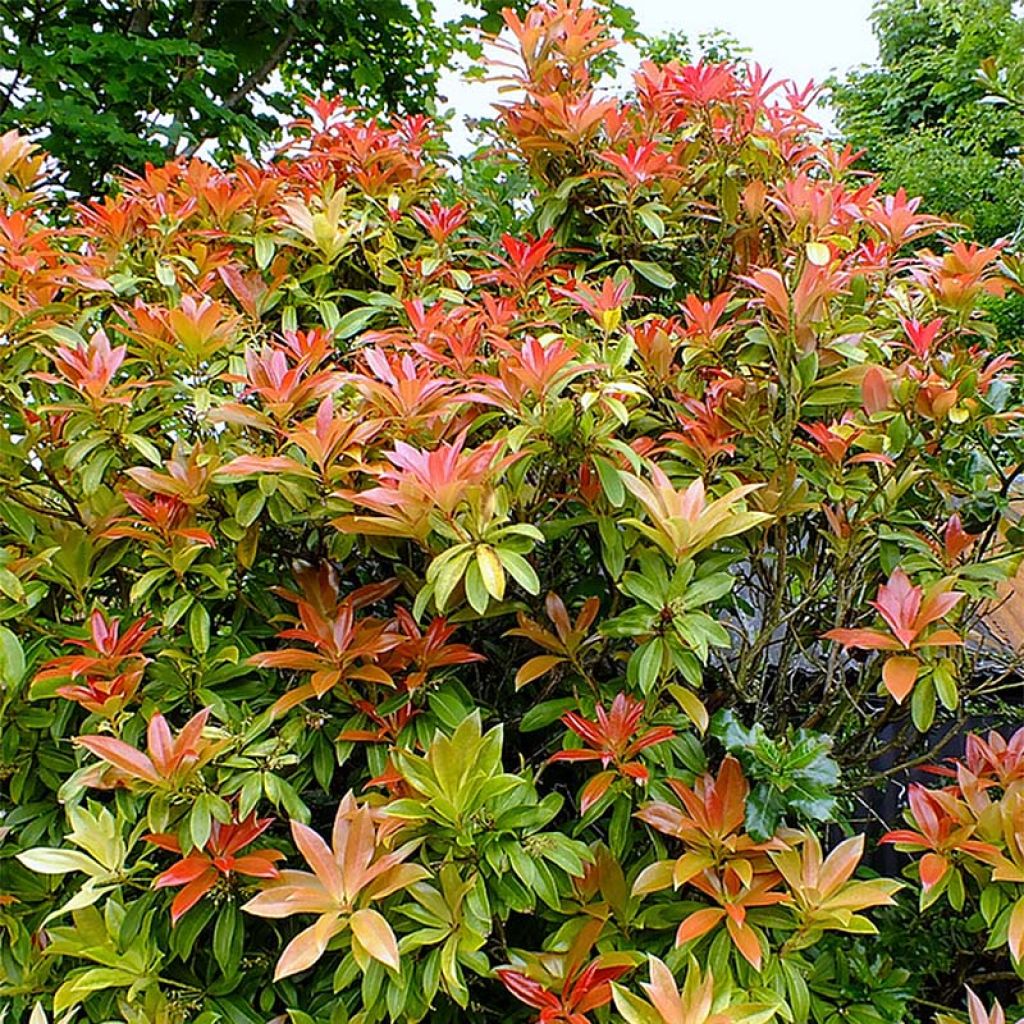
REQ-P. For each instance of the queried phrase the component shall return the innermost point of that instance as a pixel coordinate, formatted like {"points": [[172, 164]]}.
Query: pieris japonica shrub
{"points": [[409, 619]]}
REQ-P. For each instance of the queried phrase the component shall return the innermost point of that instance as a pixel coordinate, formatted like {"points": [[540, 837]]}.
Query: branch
{"points": [[258, 75]]}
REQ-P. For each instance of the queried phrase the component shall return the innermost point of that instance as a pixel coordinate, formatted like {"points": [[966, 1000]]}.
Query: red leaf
{"points": [[526, 990], [192, 894], [576, 755], [185, 871]]}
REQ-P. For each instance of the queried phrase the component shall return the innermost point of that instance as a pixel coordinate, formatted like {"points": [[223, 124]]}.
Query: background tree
{"points": [[923, 113], [106, 84], [716, 47]]}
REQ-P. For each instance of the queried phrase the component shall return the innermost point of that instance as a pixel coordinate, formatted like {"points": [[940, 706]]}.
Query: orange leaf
{"points": [[941, 638], [840, 864], [371, 674], [120, 755], [1015, 933], [875, 391], [595, 789], [899, 675], [535, 668], [308, 946], [699, 923], [319, 857], [745, 939], [374, 934], [933, 869], [250, 465]]}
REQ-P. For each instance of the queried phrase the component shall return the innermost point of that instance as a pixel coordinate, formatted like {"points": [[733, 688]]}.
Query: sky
{"points": [[800, 39]]}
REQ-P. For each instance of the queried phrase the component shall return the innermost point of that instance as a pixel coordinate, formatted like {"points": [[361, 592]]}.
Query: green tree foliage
{"points": [[923, 113], [717, 47], [115, 83]]}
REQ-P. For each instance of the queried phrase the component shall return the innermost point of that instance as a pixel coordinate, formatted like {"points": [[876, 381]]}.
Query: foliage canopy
{"points": [[408, 618], [114, 84], [923, 115]]}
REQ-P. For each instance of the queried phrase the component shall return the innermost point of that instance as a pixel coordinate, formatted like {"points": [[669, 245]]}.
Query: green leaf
{"points": [[145, 448], [797, 991], [249, 507], [765, 809], [66, 336], [79, 986], [145, 583], [546, 712], [611, 481], [632, 1008], [654, 272], [692, 706], [922, 704], [476, 592], [620, 827], [650, 220], [648, 659], [520, 570], [729, 731], [613, 552], [944, 678], [448, 574], [354, 321], [645, 589], [199, 628], [710, 588], [51, 861], [263, 250], [228, 939], [12, 659], [200, 822]]}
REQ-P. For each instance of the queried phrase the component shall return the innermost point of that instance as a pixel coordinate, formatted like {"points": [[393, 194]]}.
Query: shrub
{"points": [[404, 622]]}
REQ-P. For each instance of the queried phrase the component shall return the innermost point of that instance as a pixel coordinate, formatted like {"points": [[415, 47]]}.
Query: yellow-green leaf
{"points": [[491, 571]]}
